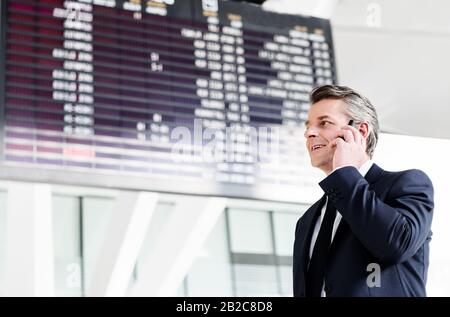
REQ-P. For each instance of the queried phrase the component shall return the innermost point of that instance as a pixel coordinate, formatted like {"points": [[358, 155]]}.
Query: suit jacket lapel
{"points": [[309, 225]]}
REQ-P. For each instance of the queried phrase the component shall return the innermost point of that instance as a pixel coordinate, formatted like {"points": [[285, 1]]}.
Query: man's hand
{"points": [[350, 151]]}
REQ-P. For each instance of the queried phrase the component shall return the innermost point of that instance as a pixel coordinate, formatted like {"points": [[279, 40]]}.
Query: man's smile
{"points": [[316, 147]]}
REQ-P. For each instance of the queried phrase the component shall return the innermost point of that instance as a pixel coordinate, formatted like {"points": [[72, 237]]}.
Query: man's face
{"points": [[326, 118]]}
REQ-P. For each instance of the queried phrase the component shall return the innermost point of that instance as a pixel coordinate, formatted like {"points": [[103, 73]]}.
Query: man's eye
{"points": [[324, 123]]}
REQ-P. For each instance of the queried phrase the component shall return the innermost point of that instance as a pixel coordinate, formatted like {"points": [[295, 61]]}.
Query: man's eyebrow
{"points": [[324, 117]]}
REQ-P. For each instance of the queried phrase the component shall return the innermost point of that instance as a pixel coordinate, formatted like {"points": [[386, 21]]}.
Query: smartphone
{"points": [[350, 123]]}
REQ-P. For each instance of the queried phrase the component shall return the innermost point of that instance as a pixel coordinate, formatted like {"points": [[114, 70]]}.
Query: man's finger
{"points": [[340, 141], [355, 133], [348, 136], [336, 142]]}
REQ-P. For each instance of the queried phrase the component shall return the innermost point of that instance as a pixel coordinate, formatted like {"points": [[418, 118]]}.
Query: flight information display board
{"points": [[186, 96]]}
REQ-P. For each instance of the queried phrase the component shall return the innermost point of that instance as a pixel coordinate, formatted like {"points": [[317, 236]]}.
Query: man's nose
{"points": [[310, 132]]}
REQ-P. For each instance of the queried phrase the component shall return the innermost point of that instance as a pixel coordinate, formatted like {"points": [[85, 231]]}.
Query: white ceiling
{"points": [[396, 52]]}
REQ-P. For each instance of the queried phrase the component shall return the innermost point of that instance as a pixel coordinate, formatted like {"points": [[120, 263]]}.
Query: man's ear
{"points": [[364, 129]]}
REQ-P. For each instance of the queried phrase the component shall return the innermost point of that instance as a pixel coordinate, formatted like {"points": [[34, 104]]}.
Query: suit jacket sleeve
{"points": [[394, 229]]}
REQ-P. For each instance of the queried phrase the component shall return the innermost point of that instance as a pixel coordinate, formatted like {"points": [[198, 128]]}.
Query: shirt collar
{"points": [[365, 167]]}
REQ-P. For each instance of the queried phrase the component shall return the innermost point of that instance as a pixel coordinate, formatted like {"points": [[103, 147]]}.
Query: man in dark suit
{"points": [[369, 234]]}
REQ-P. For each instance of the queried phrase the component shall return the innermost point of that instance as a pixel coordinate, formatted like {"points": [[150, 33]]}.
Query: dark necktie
{"points": [[318, 262]]}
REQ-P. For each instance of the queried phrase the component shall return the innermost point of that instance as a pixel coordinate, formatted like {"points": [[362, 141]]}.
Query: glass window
{"points": [[250, 231], [67, 245], [79, 228], [252, 253], [210, 274], [286, 280], [256, 280], [284, 232], [160, 216], [2, 237], [182, 290], [96, 217]]}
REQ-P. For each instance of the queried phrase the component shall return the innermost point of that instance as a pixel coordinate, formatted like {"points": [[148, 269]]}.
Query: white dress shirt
{"points": [[363, 171]]}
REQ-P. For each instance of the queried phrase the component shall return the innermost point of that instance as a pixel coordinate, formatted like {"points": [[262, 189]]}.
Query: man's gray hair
{"points": [[359, 108]]}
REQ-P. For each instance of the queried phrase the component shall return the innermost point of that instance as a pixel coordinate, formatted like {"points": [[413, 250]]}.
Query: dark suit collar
{"points": [[374, 174]]}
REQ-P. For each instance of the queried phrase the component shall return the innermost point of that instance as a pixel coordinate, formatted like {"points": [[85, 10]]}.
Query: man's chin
{"points": [[314, 163], [318, 163]]}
